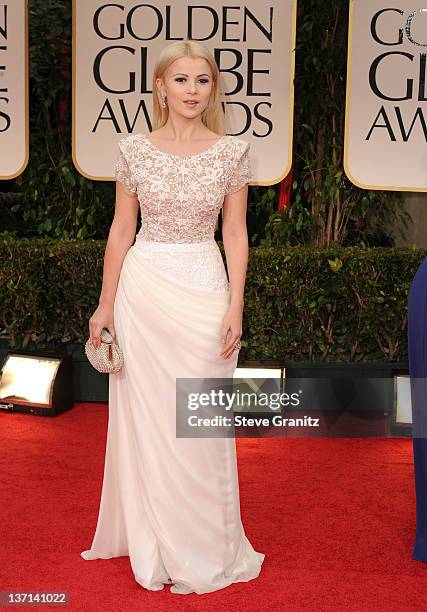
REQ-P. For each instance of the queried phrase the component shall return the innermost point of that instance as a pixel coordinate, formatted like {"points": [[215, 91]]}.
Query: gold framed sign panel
{"points": [[385, 114], [255, 44], [14, 103]]}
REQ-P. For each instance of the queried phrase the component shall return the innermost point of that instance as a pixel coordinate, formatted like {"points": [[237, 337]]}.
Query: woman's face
{"points": [[187, 79]]}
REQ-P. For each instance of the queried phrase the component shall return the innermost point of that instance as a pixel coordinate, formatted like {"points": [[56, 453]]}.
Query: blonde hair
{"points": [[213, 115]]}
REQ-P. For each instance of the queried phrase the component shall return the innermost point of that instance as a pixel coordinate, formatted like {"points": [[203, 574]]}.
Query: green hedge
{"points": [[301, 304], [329, 304]]}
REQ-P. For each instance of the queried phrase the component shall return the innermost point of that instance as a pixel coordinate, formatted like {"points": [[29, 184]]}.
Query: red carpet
{"points": [[334, 517]]}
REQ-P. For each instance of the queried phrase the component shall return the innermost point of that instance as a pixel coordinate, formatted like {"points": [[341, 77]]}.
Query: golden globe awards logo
{"points": [[125, 38], [5, 119], [412, 67], [115, 49], [386, 120]]}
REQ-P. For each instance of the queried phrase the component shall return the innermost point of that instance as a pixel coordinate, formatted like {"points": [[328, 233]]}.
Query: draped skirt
{"points": [[171, 504]]}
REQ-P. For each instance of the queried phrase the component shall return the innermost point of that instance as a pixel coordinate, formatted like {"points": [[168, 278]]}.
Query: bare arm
{"points": [[120, 238], [235, 238], [236, 247]]}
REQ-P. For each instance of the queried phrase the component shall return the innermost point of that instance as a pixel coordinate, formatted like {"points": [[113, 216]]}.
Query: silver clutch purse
{"points": [[108, 358]]}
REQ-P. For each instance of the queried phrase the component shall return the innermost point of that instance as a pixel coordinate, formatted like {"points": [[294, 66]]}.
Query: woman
{"points": [[172, 504]]}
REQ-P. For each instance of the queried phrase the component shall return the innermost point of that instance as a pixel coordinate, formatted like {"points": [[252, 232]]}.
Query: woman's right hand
{"points": [[102, 317]]}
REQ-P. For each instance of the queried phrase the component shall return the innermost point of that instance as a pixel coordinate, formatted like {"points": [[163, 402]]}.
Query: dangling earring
{"points": [[163, 102]]}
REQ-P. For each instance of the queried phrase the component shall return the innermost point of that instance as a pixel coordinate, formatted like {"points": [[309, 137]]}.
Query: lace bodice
{"points": [[180, 196]]}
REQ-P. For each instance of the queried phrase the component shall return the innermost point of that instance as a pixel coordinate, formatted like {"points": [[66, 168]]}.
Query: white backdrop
{"points": [[386, 118]]}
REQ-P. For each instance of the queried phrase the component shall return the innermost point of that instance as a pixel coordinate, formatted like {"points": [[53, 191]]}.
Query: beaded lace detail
{"points": [[198, 264], [180, 196]]}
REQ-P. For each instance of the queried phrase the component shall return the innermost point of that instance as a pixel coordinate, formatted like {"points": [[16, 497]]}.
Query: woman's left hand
{"points": [[231, 330]]}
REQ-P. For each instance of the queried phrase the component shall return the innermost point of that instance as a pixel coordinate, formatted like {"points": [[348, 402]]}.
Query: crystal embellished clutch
{"points": [[108, 358]]}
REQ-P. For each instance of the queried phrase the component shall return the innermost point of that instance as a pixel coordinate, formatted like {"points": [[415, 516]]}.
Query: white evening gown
{"points": [[172, 504]]}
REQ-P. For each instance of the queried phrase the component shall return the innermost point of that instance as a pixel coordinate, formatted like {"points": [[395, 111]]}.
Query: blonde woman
{"points": [[171, 503]]}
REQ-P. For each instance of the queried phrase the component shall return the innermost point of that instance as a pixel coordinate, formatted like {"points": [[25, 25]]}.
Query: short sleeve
{"points": [[122, 172], [241, 173]]}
